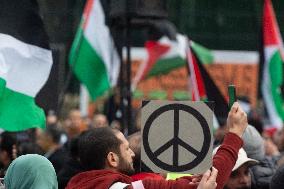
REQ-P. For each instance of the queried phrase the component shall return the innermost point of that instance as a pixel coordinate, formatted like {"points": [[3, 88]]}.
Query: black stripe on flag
{"points": [[213, 93], [20, 19]]}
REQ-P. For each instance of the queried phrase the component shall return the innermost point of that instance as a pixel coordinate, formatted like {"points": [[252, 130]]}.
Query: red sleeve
{"points": [[182, 183], [225, 158], [224, 161]]}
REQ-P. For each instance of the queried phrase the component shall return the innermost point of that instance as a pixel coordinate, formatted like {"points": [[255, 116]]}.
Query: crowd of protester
{"points": [[95, 153]]}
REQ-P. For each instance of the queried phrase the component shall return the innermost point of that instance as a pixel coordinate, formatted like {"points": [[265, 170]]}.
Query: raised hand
{"points": [[208, 180], [237, 120]]}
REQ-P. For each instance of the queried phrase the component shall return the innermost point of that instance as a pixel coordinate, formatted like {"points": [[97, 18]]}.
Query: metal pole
{"points": [[122, 91], [128, 76]]}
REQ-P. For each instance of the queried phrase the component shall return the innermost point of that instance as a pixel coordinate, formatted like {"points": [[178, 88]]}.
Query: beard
{"points": [[125, 167]]}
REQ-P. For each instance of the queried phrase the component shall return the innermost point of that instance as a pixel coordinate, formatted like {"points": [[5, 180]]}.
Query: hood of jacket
{"points": [[97, 179]]}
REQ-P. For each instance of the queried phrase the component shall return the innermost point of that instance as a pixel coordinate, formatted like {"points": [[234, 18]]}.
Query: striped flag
{"points": [[93, 56], [198, 91], [25, 63], [272, 78], [202, 85], [164, 55]]}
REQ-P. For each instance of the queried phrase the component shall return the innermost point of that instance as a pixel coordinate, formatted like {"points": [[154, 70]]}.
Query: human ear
{"points": [[112, 160]]}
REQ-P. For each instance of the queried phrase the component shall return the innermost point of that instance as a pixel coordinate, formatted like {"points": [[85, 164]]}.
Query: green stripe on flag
{"points": [[166, 65], [76, 44], [28, 114], [276, 77], [204, 54], [89, 67]]}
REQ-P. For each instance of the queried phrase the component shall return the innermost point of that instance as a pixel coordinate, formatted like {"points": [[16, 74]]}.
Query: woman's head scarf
{"points": [[31, 171]]}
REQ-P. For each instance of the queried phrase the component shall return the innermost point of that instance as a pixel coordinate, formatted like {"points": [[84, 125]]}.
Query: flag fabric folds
{"points": [[198, 91], [25, 63], [164, 55], [93, 56], [202, 85], [272, 74]]}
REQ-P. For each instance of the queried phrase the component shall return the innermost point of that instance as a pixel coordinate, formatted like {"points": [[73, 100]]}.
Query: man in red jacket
{"points": [[108, 160]]}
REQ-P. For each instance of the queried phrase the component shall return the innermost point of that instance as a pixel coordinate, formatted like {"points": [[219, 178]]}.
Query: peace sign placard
{"points": [[177, 136]]}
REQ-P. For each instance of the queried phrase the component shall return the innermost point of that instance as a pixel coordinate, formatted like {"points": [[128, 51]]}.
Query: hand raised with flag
{"points": [[237, 120]]}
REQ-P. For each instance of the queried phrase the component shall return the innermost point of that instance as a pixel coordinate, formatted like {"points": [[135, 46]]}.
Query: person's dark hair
{"points": [[7, 142], [73, 147], [54, 133], [94, 146], [29, 148]]}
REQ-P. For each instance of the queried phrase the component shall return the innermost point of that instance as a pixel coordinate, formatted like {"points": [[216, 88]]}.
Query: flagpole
{"points": [[192, 78], [84, 101], [128, 116]]}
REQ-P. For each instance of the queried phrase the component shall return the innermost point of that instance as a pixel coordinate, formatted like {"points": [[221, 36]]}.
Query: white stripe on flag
{"points": [[276, 121], [192, 74], [25, 67], [98, 35]]}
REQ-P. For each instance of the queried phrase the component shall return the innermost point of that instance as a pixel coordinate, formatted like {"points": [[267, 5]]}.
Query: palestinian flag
{"points": [[164, 55], [204, 55], [272, 78], [25, 63], [202, 85], [93, 56]]}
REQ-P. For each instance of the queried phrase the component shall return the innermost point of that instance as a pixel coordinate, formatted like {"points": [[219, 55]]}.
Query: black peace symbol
{"points": [[176, 141]]}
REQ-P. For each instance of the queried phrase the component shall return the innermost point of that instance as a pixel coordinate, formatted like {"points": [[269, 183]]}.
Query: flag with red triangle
{"points": [[272, 75], [203, 87], [164, 55]]}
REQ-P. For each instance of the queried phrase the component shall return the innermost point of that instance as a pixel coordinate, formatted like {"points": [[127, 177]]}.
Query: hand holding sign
{"points": [[208, 180], [237, 120]]}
